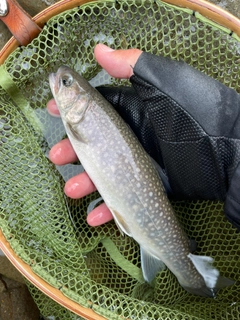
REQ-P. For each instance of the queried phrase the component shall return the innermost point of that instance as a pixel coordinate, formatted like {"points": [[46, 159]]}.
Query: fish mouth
{"points": [[53, 83]]}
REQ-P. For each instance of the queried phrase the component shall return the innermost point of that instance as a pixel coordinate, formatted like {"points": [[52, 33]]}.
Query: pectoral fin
{"points": [[150, 265], [75, 133]]}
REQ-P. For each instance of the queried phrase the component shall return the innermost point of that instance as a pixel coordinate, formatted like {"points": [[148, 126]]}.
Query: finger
{"points": [[99, 215], [118, 63], [52, 108], [79, 186], [62, 153]]}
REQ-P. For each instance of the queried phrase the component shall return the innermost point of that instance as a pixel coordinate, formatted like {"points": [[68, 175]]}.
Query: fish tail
{"points": [[210, 292], [211, 276]]}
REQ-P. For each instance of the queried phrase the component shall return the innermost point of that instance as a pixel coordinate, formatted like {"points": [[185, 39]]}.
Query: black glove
{"points": [[189, 123]]}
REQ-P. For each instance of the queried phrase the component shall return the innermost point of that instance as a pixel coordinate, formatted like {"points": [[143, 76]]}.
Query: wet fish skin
{"points": [[127, 180]]}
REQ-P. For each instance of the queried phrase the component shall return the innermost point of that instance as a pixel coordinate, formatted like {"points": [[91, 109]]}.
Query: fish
{"points": [[130, 185]]}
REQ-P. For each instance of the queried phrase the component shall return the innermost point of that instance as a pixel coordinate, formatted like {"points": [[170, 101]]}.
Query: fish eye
{"points": [[67, 80]]}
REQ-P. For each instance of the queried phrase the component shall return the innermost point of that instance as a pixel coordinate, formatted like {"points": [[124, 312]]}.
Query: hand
{"points": [[119, 64], [188, 122]]}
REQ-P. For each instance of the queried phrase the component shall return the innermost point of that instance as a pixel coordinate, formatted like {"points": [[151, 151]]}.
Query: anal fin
{"points": [[150, 265]]}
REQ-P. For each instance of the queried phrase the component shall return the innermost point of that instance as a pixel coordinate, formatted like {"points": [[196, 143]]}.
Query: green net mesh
{"points": [[96, 267]]}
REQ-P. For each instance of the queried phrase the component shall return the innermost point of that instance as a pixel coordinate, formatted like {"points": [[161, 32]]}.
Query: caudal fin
{"points": [[211, 276], [210, 292]]}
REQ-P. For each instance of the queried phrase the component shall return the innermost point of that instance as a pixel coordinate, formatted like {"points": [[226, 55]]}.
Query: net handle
{"points": [[23, 27], [205, 8], [19, 22]]}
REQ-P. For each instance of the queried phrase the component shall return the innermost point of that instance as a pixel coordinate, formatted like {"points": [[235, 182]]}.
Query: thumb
{"points": [[118, 63]]}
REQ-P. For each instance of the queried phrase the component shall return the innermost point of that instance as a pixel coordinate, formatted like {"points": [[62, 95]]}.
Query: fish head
{"points": [[70, 92]]}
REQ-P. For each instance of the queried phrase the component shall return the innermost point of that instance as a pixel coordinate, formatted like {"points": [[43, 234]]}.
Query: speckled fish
{"points": [[129, 183]]}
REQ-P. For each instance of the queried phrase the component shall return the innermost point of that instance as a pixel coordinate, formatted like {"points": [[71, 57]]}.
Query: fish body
{"points": [[129, 183]]}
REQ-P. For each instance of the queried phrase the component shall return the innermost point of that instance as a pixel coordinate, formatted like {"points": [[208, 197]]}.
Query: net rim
{"points": [[42, 285]]}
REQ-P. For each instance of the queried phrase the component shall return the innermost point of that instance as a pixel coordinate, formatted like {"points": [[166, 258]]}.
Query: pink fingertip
{"points": [[104, 48], [52, 108], [54, 155], [99, 216], [79, 186], [62, 153]]}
